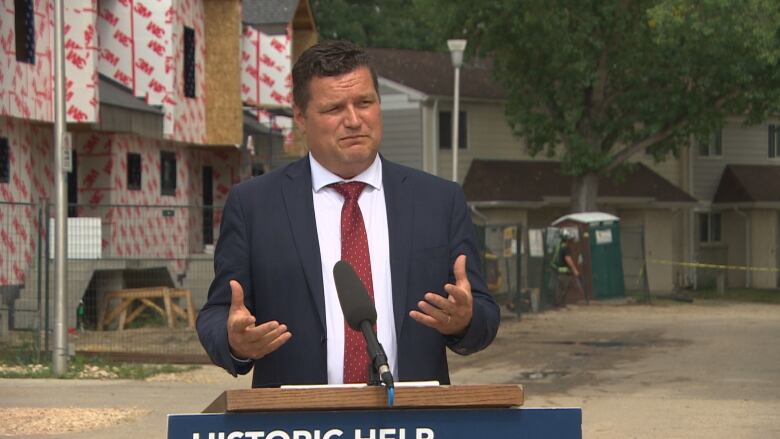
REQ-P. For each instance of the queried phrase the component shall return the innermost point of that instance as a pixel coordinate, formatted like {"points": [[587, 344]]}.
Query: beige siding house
{"points": [[416, 89], [735, 176]]}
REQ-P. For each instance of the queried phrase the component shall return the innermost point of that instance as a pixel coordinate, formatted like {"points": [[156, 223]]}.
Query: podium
{"points": [[425, 412]]}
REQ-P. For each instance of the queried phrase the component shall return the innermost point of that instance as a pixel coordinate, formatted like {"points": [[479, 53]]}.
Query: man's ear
{"points": [[300, 119]]}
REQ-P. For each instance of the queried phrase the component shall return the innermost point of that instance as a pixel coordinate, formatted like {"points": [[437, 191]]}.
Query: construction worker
{"points": [[565, 267]]}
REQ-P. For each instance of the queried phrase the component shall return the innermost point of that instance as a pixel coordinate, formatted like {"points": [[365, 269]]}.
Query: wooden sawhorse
{"points": [[146, 298]]}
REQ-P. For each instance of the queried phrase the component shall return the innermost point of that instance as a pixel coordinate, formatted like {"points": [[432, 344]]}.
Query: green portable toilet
{"points": [[599, 246]]}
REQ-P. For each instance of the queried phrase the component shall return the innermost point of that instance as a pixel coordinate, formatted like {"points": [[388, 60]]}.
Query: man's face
{"points": [[342, 122]]}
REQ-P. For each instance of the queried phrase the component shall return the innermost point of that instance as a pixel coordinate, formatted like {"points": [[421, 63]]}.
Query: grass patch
{"points": [[23, 361]]}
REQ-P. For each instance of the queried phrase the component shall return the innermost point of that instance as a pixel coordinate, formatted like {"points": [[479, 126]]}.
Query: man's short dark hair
{"points": [[328, 58]]}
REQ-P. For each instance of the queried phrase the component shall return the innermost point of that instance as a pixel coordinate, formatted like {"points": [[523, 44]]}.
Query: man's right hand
{"points": [[247, 339]]}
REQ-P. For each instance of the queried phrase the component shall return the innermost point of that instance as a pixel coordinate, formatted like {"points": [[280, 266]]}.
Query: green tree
{"points": [[378, 23], [595, 82]]}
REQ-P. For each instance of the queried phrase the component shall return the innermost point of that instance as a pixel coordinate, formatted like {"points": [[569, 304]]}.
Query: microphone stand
{"points": [[378, 371]]}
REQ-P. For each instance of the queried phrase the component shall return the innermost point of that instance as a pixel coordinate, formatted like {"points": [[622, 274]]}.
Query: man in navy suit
{"points": [[273, 305]]}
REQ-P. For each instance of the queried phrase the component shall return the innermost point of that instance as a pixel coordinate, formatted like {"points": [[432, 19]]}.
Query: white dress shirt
{"points": [[327, 211]]}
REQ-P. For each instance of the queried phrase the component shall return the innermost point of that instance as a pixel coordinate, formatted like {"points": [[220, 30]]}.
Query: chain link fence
{"points": [[501, 251], [518, 265], [23, 274], [136, 276], [632, 248]]}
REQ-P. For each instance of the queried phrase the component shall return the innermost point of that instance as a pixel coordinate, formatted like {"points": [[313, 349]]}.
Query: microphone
{"points": [[360, 315]]}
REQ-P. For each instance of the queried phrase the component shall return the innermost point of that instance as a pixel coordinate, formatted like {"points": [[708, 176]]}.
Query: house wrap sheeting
{"points": [[142, 48], [32, 178], [27, 89], [266, 78]]}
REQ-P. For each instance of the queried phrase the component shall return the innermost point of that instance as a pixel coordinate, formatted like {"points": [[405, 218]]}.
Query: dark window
{"points": [[445, 129], [711, 146], [73, 185], [5, 161], [709, 227], [167, 173], [208, 203], [189, 62], [24, 29], [714, 227], [133, 171], [774, 141]]}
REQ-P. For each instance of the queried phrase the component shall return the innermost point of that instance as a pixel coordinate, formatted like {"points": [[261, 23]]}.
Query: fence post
{"points": [[40, 262], [645, 279], [46, 291]]}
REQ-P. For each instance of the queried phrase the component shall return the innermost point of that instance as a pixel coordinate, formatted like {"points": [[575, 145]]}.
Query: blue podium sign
{"points": [[520, 423]]}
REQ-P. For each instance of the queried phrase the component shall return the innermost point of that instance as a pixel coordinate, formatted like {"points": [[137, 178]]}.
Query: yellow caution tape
{"points": [[716, 266]]}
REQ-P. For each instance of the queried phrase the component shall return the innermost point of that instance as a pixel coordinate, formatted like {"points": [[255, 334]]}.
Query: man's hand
{"points": [[248, 340], [450, 315], [572, 266]]}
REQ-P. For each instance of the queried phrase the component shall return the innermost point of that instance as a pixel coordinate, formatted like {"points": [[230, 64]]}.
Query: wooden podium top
{"points": [[367, 398]]}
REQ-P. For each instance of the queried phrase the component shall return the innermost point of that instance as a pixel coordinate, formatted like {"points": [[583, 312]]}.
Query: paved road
{"points": [[706, 370], [683, 371]]}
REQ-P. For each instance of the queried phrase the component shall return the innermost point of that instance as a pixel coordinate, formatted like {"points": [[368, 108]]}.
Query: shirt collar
{"points": [[321, 177]]}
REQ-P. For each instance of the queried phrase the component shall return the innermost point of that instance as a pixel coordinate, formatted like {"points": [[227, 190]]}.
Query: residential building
{"points": [[157, 135], [734, 174], [276, 32], [503, 183]]}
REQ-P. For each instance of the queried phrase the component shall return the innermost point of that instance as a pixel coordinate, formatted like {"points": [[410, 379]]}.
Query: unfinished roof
{"points": [[536, 183], [253, 126], [121, 112], [432, 74], [748, 184], [116, 95]]}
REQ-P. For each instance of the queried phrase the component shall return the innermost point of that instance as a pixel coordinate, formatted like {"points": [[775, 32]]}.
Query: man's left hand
{"points": [[449, 315]]}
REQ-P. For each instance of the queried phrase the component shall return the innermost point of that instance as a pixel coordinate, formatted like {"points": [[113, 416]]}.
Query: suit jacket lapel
{"points": [[299, 204], [400, 215]]}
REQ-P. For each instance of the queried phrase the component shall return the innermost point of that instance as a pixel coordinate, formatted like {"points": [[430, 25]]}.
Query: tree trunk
{"points": [[584, 189]]}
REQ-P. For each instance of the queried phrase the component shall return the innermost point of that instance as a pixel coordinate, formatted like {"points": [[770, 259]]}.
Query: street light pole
{"points": [[60, 351], [456, 51]]}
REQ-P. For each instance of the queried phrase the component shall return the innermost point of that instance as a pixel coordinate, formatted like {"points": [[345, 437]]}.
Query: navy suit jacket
{"points": [[268, 243]]}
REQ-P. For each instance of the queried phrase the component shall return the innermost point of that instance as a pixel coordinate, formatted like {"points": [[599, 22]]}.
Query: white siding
{"points": [[402, 141], [489, 137], [668, 169], [385, 90], [741, 145]]}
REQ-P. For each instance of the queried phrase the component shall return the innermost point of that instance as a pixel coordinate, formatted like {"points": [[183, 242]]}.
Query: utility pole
{"points": [[456, 52], [60, 351]]}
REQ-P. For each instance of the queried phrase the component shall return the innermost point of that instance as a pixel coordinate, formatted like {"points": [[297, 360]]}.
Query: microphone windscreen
{"points": [[355, 302]]}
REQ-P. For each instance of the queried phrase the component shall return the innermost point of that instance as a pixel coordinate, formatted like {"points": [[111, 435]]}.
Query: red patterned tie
{"points": [[354, 250]]}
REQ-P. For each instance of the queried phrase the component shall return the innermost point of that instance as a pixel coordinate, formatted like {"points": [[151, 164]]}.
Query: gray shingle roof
{"points": [[116, 95], [532, 181], [748, 183], [432, 73], [265, 12]]}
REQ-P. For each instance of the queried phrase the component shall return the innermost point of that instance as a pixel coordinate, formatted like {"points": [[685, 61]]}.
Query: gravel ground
{"points": [[32, 420], [706, 370]]}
